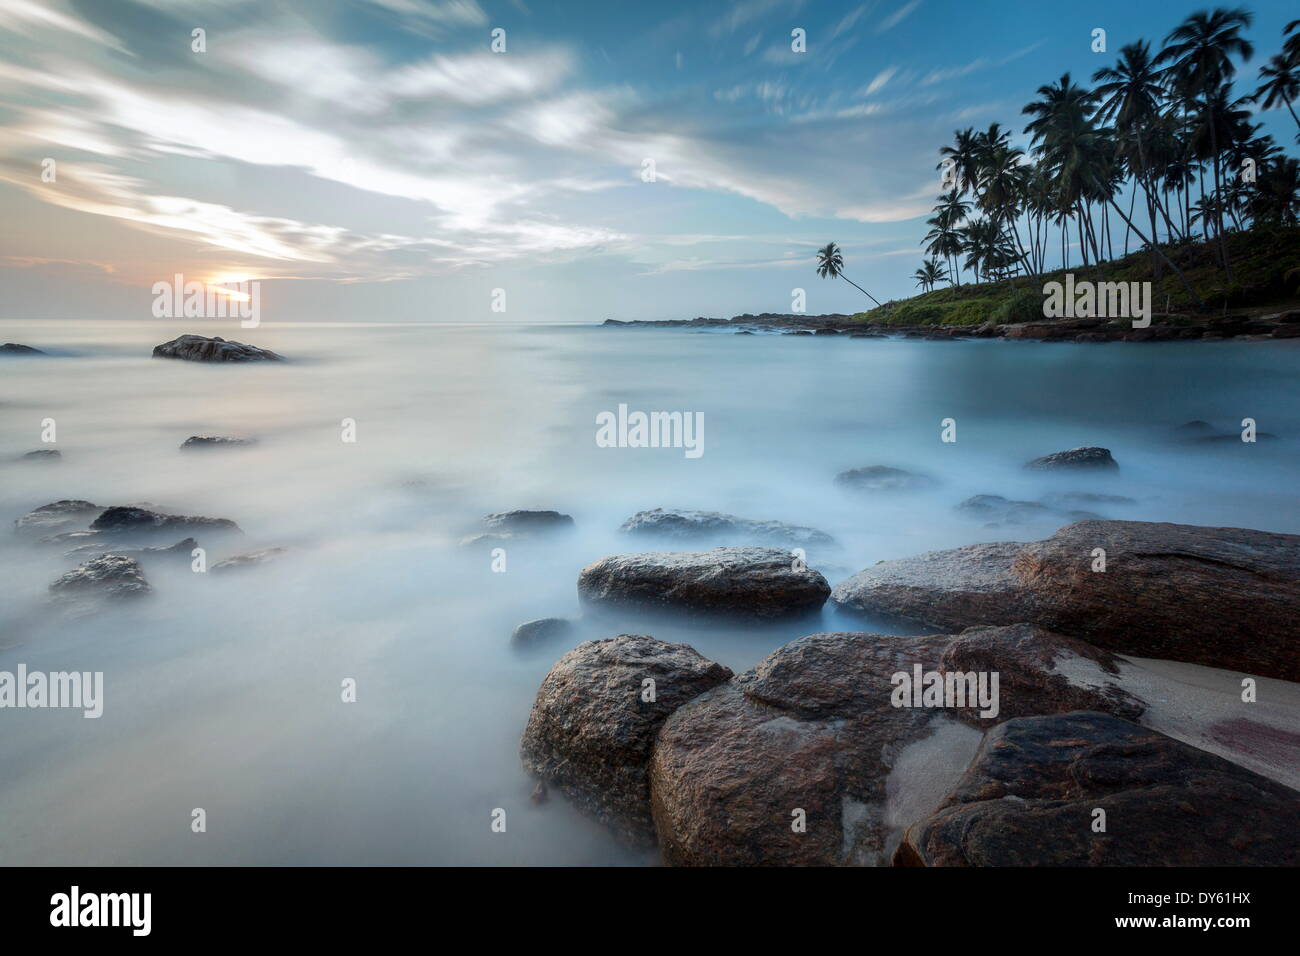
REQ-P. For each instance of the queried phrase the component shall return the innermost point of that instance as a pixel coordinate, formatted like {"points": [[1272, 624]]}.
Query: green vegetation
{"points": [[1163, 133]]}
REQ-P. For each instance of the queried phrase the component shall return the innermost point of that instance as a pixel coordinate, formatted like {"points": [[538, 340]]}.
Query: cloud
{"points": [[898, 16]]}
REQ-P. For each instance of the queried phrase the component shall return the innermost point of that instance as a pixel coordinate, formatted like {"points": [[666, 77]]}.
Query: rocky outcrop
{"points": [[1031, 798], [1086, 456], [1222, 597], [112, 576], [541, 631], [213, 441], [756, 583], [131, 520], [58, 516], [883, 478], [596, 716], [201, 348], [683, 524]]}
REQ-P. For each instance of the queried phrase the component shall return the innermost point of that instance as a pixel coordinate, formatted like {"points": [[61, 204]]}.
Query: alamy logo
{"points": [[651, 430], [36, 689], [923, 688], [233, 299], [1102, 300], [75, 908]]}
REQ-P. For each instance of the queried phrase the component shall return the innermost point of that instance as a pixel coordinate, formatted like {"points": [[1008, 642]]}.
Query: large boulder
{"points": [[1031, 797], [595, 718], [1222, 597], [125, 519], [803, 760], [114, 576], [716, 527], [1086, 456], [543, 630], [201, 348], [757, 583]]}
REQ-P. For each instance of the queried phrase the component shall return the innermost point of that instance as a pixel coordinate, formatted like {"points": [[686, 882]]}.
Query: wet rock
{"points": [[683, 524], [809, 733], [248, 559], [181, 549], [213, 441], [112, 576], [58, 516], [883, 478], [544, 629], [1086, 456], [129, 520], [1222, 597], [593, 723], [1030, 796], [998, 510], [201, 348], [43, 454], [13, 348], [750, 582], [527, 522]]}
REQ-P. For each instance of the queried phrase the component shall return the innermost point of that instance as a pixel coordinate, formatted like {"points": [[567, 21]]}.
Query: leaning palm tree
{"points": [[1281, 85], [830, 263]]}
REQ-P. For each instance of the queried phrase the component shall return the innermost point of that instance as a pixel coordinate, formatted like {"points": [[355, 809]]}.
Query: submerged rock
{"points": [[248, 559], [213, 441], [110, 576], [127, 519], [58, 516], [687, 524], [542, 630], [595, 718], [751, 582], [1086, 456], [182, 548], [43, 454], [200, 348], [883, 478], [1222, 597], [1031, 796], [13, 348], [506, 526]]}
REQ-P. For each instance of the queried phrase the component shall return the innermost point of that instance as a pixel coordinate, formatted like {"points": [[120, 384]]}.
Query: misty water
{"points": [[223, 691]]}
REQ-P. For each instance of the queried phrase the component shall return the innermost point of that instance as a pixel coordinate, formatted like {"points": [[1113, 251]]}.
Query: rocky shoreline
{"points": [[1163, 328]]}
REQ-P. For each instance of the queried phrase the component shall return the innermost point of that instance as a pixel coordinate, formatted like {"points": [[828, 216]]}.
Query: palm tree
{"points": [[964, 157], [830, 263], [1291, 48], [1281, 85], [929, 273], [1200, 52]]}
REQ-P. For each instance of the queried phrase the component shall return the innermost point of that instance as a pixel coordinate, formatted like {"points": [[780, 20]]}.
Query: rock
{"points": [[1030, 796], [200, 348], [1037, 672], [532, 633], [591, 728], [811, 729], [998, 510], [57, 516], [111, 576], [1087, 456], [213, 441], [826, 332], [43, 454], [1222, 597], [183, 548], [13, 348], [505, 526], [756, 583], [1194, 429], [248, 559], [883, 478], [685, 524], [127, 519], [540, 794], [946, 590], [1074, 499]]}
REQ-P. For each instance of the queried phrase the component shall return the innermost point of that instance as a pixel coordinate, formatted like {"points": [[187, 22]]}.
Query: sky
{"points": [[378, 160]]}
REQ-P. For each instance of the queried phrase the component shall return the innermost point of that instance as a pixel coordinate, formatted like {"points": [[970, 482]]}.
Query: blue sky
{"points": [[375, 159]]}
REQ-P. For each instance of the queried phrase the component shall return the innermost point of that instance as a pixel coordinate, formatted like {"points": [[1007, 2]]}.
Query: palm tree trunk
{"points": [[1178, 272], [859, 288]]}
